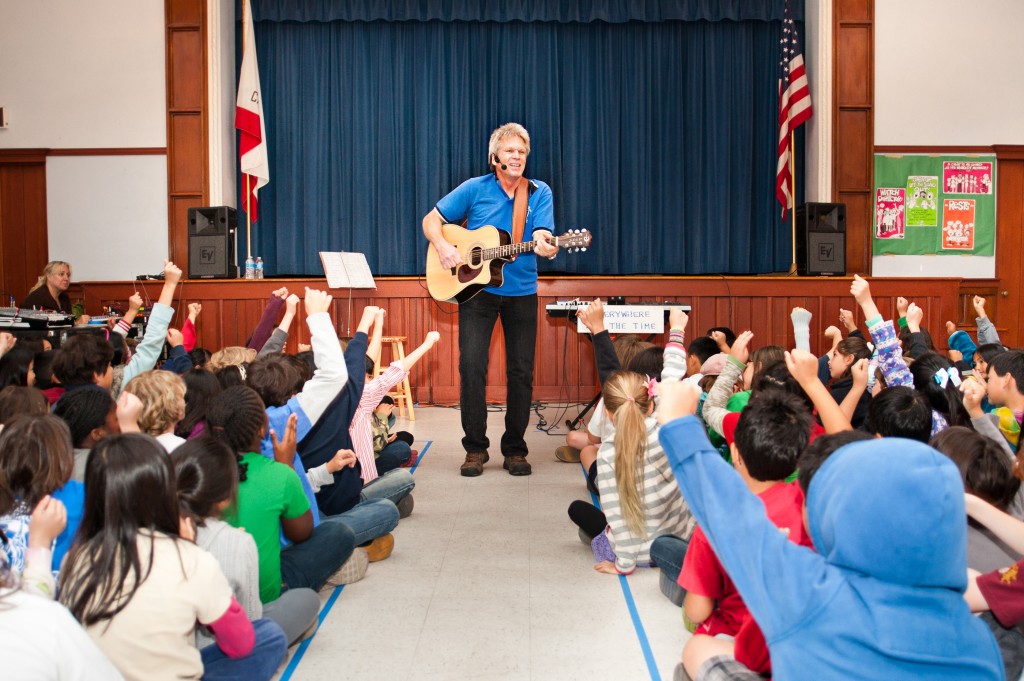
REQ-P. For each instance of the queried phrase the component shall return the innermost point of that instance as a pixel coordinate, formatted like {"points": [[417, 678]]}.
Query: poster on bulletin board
{"points": [[934, 205]]}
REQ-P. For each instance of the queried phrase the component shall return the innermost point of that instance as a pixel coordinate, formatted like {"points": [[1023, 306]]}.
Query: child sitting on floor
{"points": [[138, 584], [379, 451], [772, 432]]}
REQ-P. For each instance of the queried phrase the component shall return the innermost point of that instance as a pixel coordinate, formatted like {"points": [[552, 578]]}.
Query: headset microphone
{"points": [[503, 166]]}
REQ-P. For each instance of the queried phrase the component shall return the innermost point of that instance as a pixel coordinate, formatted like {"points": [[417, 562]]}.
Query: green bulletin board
{"points": [[934, 205]]}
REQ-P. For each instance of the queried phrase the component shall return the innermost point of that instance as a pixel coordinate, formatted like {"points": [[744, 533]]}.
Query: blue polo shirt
{"points": [[481, 201]]}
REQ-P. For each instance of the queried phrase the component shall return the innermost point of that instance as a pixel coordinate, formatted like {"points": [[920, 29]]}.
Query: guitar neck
{"points": [[508, 250]]}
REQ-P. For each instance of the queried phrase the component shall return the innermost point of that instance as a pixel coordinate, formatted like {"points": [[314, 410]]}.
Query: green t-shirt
{"points": [[271, 491]]}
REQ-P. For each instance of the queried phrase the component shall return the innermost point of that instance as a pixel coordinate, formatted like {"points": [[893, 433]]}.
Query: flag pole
{"points": [[248, 217], [792, 198]]}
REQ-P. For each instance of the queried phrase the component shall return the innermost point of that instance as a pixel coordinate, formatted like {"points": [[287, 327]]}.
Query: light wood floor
{"points": [[489, 580]]}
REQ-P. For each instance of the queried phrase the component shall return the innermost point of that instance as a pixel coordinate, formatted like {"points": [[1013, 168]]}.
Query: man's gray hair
{"points": [[507, 130]]}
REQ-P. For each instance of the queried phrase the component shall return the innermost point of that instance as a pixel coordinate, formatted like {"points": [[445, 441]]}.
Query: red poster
{"points": [[967, 177], [958, 224], [890, 213]]}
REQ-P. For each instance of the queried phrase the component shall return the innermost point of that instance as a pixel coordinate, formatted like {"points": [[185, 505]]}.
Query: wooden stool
{"points": [[402, 392]]}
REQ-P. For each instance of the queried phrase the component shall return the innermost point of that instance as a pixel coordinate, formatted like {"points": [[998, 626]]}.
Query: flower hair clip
{"points": [[944, 376], [652, 385]]}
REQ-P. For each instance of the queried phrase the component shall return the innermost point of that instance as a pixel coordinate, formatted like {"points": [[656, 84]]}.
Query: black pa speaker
{"points": [[211, 243], [821, 239]]}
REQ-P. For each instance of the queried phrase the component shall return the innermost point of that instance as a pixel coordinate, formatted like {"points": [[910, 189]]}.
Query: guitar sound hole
{"points": [[474, 258]]}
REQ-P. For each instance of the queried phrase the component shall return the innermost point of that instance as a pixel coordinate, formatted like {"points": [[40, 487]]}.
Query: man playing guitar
{"points": [[488, 200]]}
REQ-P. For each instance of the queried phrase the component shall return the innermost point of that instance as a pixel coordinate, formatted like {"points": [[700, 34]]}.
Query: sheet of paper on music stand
{"points": [[347, 270]]}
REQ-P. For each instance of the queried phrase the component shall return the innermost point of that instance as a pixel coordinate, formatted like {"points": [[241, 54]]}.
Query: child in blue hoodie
{"points": [[883, 597]]}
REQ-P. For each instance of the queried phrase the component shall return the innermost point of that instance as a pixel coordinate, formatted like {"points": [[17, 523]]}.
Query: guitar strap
{"points": [[519, 210]]}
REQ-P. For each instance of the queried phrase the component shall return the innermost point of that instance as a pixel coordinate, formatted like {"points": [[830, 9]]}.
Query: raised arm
{"points": [[859, 372], [607, 361], [986, 329], [410, 360], [674, 367], [188, 329], [266, 324], [377, 321], [890, 360], [801, 328], [279, 337], [918, 346], [145, 355], [718, 397], [331, 370], [803, 366], [124, 324]]}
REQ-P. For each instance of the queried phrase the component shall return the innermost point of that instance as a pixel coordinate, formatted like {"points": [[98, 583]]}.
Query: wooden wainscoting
{"points": [[564, 364]]}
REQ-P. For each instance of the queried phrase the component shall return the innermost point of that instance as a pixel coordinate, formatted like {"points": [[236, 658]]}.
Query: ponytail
{"points": [[625, 396]]}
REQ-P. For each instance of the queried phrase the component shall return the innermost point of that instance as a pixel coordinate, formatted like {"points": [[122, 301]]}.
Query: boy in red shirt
{"points": [[765, 443]]}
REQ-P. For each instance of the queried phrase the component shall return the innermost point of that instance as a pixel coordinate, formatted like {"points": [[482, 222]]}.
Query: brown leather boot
{"points": [[517, 465], [474, 464]]}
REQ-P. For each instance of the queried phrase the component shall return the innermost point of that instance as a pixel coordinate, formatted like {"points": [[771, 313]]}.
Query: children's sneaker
{"points": [[405, 506], [567, 454], [380, 548], [412, 460], [352, 570]]}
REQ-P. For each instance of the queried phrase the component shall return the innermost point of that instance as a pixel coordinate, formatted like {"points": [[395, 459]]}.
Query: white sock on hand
{"points": [[802, 328]]}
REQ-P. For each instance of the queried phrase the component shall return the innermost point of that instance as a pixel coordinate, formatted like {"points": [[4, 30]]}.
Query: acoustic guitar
{"points": [[484, 251]]}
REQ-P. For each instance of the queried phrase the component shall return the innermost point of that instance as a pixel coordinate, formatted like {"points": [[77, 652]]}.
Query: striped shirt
{"points": [[665, 511], [361, 429]]}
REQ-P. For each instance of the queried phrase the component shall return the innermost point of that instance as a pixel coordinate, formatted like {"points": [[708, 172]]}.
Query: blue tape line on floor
{"points": [[641, 633], [297, 657], [419, 459]]}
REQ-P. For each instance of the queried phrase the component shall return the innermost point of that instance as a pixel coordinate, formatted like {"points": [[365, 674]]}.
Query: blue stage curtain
{"points": [[658, 136], [565, 11]]}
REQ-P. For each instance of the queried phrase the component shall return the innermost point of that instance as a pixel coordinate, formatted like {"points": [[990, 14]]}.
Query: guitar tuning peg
{"points": [[584, 250]]}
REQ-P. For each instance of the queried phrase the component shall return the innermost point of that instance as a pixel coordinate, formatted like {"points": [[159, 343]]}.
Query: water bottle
{"points": [[259, 267], [250, 268]]}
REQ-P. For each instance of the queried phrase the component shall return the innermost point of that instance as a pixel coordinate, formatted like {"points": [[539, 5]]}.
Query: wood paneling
{"points": [[1010, 238], [564, 367], [853, 123], [853, 170], [185, 85], [24, 249], [858, 231], [188, 120], [855, 10], [185, 13], [186, 168], [855, 85], [109, 151]]}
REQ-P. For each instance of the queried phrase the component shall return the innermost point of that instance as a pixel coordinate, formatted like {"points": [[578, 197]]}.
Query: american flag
{"points": [[794, 105]]}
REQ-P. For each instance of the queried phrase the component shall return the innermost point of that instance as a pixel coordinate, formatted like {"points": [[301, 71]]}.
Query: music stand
{"points": [[347, 270]]}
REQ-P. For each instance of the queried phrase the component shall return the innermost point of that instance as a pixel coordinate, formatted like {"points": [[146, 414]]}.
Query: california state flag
{"points": [[252, 143]]}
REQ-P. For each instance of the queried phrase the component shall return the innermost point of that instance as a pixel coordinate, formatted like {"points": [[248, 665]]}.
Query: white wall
{"points": [[947, 73], [91, 75], [98, 222]]}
